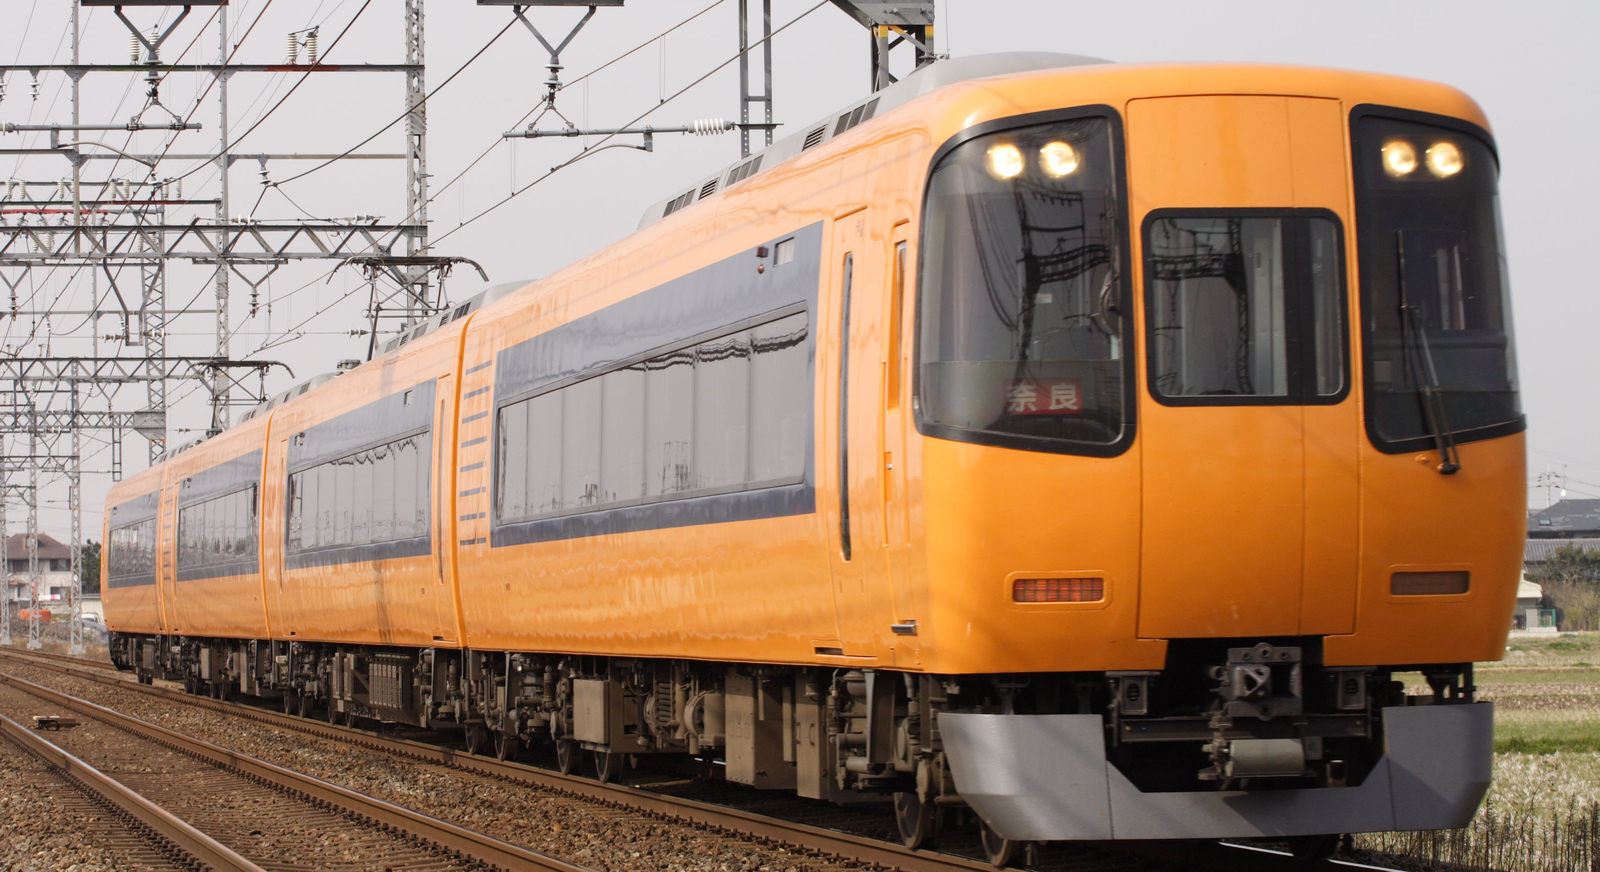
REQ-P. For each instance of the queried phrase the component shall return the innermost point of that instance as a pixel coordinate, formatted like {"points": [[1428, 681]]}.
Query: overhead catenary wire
{"points": [[288, 334], [295, 332], [110, 172], [234, 142], [640, 117]]}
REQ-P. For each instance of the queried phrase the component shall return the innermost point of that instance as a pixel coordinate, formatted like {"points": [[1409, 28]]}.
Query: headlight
{"points": [[1058, 159], [1444, 159], [1005, 161], [1399, 158]]}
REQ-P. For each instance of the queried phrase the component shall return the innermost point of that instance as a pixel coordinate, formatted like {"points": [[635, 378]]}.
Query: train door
{"points": [[445, 614], [855, 445], [1249, 435], [896, 392], [166, 555]]}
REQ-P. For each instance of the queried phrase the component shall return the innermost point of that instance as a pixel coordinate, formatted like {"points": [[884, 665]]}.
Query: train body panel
{"points": [[757, 582], [1227, 539], [211, 579], [1470, 522], [129, 593], [360, 476]]}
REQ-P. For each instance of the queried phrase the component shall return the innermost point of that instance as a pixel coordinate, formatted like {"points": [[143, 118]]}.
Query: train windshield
{"points": [[1021, 316], [1436, 316]]}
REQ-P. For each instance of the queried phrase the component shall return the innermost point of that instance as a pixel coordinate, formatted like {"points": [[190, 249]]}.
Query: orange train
{"points": [[1076, 448]]}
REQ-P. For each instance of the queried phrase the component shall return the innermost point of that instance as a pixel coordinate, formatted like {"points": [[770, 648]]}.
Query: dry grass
{"points": [[1542, 813]]}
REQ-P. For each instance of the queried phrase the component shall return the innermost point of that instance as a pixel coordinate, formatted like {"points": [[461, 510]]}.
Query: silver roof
{"points": [[928, 78]]}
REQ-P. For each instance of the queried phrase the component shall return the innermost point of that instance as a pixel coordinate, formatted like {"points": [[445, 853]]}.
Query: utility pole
{"points": [[5, 550], [1551, 481]]}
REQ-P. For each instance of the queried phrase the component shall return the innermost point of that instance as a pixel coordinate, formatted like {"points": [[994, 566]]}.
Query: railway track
{"points": [[709, 808], [218, 808], [59, 787]]}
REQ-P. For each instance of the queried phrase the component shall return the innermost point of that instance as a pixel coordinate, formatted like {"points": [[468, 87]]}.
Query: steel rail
{"points": [[451, 837], [845, 846], [199, 846], [726, 820]]}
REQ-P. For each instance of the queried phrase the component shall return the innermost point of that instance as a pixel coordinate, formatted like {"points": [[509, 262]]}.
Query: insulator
{"points": [[155, 35], [311, 48], [709, 126], [177, 188], [133, 47], [294, 49], [61, 190]]}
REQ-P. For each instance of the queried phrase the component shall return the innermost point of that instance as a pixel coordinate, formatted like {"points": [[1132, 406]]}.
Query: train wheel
{"points": [[1314, 849], [348, 718], [915, 819], [291, 702], [475, 738], [566, 755], [308, 704], [333, 713], [505, 745], [1000, 852], [607, 764], [190, 685]]}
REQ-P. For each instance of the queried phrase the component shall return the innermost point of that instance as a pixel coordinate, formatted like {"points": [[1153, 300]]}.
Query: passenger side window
{"points": [[373, 496], [711, 417]]}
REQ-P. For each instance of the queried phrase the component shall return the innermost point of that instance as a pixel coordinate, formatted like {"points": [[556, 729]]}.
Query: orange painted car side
{"points": [[129, 608], [402, 601], [223, 606], [1216, 521]]}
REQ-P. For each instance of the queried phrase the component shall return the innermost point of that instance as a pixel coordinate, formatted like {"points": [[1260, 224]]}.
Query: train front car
{"points": [[1221, 436]]}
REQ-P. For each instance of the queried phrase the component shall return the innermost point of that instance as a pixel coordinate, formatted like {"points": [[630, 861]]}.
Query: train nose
{"points": [[1248, 429]]}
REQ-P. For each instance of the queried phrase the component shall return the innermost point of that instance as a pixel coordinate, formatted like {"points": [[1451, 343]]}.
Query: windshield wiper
{"points": [[1415, 341]]}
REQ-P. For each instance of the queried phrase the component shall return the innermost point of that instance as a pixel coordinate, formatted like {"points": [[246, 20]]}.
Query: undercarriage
{"points": [[1036, 757]]}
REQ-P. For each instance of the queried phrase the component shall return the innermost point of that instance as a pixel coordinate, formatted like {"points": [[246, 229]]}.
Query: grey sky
{"points": [[1532, 68]]}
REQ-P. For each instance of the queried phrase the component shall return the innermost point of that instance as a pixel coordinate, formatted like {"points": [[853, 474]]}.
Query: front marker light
{"points": [[1444, 159], [1005, 161], [1058, 159], [1399, 158]]}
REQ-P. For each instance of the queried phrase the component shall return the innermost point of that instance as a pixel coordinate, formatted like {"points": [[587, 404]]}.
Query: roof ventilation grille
{"points": [[745, 171], [678, 203], [709, 189], [856, 116], [815, 137]]}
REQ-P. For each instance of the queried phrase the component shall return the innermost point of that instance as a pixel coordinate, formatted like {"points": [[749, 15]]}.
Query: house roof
{"points": [[1566, 518], [1540, 550], [49, 548]]}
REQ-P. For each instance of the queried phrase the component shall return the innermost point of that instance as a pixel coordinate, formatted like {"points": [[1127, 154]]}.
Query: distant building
{"points": [[55, 569], [1537, 551], [1568, 519], [1535, 612]]}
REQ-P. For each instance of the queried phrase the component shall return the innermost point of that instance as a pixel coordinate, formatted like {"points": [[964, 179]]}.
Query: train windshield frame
{"points": [[1025, 334], [1245, 307], [1437, 340]]}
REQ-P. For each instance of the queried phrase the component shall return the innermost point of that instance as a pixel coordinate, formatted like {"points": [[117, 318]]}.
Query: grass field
{"points": [[1543, 812]]}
